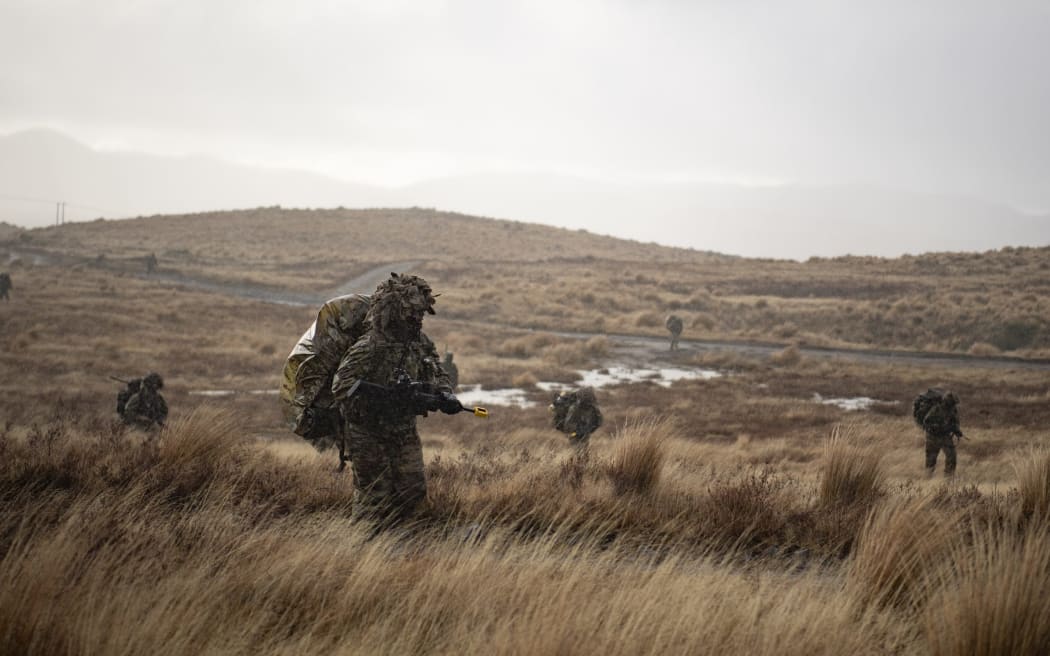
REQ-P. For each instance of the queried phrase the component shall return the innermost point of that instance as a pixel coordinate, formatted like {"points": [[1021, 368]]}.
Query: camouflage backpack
{"points": [[309, 408], [925, 402]]}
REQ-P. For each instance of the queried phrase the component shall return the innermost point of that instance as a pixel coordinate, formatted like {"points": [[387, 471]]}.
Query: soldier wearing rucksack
{"points": [[936, 411], [451, 369], [5, 285], [674, 326], [577, 415], [147, 408]]}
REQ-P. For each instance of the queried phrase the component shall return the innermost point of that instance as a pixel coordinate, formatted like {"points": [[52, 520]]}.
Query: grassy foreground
{"points": [[202, 541]]}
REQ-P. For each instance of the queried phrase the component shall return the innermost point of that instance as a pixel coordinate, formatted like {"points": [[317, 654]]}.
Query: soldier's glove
{"points": [[448, 403]]}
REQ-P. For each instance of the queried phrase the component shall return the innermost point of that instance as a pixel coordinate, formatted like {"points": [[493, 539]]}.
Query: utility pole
{"points": [[63, 212], [58, 209]]}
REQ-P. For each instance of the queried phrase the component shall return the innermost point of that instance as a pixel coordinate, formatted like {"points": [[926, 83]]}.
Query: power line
{"points": [[27, 199]]}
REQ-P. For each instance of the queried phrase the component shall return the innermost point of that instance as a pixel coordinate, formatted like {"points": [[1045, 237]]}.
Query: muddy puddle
{"points": [[852, 404], [596, 378]]}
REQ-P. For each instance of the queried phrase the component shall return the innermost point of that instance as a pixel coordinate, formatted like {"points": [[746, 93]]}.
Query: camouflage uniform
{"points": [[147, 407], [674, 324], [385, 451], [941, 424], [151, 263], [451, 369], [125, 394], [5, 286], [577, 415]]}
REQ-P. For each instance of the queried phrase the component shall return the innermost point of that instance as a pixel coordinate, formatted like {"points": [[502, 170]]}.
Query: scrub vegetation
{"points": [[737, 514]]}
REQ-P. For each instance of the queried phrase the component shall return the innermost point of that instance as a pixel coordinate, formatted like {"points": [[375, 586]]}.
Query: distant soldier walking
{"points": [[451, 369], [936, 411], [674, 325], [151, 263], [577, 415], [146, 407], [5, 285]]}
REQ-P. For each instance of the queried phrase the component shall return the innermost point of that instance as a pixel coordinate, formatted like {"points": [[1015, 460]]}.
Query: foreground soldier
{"points": [[674, 324], [937, 412], [379, 420], [5, 285], [147, 407], [577, 415]]}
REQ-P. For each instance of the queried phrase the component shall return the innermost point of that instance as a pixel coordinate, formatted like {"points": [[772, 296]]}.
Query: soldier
{"points": [[379, 426], [937, 412], [151, 263], [577, 415], [451, 369], [5, 285], [147, 407], [674, 324]]}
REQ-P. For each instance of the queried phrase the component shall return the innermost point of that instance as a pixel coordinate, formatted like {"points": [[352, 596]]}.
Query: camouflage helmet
{"points": [[400, 298], [153, 380], [950, 399]]}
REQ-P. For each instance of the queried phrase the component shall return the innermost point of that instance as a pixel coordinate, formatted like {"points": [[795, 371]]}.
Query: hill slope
{"points": [[40, 167]]}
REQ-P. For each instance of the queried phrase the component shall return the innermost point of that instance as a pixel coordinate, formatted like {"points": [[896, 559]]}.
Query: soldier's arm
{"points": [[351, 368]]}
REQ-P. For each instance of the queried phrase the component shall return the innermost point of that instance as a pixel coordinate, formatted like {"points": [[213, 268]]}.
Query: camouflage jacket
{"points": [[377, 360], [146, 408], [941, 421], [674, 324]]}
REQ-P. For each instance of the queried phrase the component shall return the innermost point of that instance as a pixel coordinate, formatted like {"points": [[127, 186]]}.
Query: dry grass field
{"points": [[508, 272], [737, 514]]}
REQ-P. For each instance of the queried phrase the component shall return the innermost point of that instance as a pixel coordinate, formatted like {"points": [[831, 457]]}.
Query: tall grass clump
{"points": [[994, 598], [850, 472], [898, 545], [639, 457], [1033, 483], [196, 449]]}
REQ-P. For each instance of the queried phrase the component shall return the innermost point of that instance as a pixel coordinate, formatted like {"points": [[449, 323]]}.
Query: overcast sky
{"points": [[942, 95]]}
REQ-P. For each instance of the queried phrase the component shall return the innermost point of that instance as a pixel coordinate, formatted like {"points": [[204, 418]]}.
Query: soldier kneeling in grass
{"points": [[577, 414], [146, 408]]}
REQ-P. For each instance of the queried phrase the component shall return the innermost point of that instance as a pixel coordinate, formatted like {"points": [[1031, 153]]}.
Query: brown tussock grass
{"points": [[993, 598], [639, 455], [1033, 483], [849, 472], [900, 542]]}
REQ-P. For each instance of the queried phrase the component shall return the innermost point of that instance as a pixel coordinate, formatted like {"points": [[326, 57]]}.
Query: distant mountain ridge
{"points": [[793, 221]]}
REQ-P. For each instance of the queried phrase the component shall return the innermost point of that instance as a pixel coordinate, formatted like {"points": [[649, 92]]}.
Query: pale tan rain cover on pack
{"points": [[308, 372]]}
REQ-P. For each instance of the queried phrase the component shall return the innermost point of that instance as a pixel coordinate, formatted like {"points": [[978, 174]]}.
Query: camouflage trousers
{"points": [[674, 342], [388, 472], [934, 445]]}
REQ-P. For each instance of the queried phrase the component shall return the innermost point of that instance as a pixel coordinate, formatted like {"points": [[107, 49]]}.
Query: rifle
{"points": [[419, 396], [119, 380]]}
